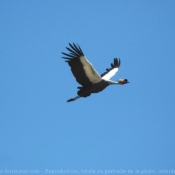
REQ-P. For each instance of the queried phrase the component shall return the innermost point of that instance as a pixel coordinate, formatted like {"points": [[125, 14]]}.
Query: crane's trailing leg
{"points": [[77, 97], [73, 99]]}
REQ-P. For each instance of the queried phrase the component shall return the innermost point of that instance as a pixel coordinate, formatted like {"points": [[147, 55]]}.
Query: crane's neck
{"points": [[113, 82], [120, 81]]}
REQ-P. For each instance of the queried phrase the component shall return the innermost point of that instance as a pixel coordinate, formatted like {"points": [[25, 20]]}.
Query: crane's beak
{"points": [[125, 83]]}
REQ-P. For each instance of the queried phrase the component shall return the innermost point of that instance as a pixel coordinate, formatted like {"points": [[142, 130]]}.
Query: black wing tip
{"points": [[116, 64], [71, 45], [74, 51]]}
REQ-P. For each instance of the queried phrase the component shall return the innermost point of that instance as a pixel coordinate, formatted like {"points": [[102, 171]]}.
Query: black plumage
{"points": [[76, 66], [86, 75]]}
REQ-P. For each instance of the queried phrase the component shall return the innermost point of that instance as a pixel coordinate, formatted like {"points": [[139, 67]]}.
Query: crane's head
{"points": [[123, 81]]}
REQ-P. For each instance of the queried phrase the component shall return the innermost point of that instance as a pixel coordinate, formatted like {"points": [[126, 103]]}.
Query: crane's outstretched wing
{"points": [[81, 68], [111, 71]]}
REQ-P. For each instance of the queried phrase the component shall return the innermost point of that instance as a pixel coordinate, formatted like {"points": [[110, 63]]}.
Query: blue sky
{"points": [[123, 127]]}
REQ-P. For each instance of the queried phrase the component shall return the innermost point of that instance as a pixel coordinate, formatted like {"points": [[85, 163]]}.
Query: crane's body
{"points": [[87, 76]]}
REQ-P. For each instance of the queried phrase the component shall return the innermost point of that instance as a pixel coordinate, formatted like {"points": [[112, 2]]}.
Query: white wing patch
{"points": [[90, 72], [110, 74]]}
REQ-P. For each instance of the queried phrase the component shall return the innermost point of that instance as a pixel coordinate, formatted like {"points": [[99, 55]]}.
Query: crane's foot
{"points": [[71, 99]]}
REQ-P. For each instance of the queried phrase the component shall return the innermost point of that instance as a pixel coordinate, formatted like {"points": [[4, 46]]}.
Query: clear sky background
{"points": [[123, 127]]}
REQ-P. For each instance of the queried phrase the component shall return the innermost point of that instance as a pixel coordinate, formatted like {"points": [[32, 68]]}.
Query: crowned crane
{"points": [[87, 76]]}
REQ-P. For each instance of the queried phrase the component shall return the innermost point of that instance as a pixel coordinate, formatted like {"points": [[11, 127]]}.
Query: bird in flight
{"points": [[87, 76]]}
